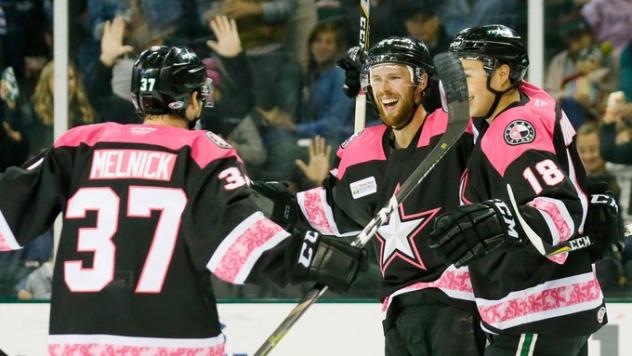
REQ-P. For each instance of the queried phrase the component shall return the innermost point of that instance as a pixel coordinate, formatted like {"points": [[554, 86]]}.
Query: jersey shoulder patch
{"points": [[518, 132], [346, 142], [216, 139]]}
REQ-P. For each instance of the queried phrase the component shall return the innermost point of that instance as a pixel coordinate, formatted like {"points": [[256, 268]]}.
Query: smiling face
{"points": [[394, 92], [324, 48], [588, 149]]}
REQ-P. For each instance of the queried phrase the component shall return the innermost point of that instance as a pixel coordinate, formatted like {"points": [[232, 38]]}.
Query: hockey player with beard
{"points": [[523, 187], [149, 212], [426, 306]]}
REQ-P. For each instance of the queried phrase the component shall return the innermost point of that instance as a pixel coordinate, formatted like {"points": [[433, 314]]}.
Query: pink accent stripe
{"points": [[314, 210], [538, 304], [239, 252], [453, 282], [4, 245], [563, 229], [203, 150], [363, 148], [110, 349], [552, 209], [465, 180]]}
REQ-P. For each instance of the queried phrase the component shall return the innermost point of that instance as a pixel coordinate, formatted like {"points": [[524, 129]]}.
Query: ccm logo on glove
{"points": [[508, 219]]}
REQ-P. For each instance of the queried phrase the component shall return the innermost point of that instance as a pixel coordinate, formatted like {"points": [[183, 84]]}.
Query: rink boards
{"points": [[336, 329]]}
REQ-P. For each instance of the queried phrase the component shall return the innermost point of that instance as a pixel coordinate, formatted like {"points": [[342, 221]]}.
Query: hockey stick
{"points": [[579, 243], [360, 105], [547, 249], [449, 68]]}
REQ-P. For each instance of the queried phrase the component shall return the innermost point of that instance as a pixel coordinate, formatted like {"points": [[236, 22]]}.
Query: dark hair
{"points": [[322, 27]]}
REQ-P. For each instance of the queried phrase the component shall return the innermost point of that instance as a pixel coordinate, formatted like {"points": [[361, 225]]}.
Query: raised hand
{"points": [[317, 168], [228, 43], [112, 45]]}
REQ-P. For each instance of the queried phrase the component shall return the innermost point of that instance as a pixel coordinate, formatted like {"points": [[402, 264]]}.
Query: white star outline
{"points": [[397, 237]]}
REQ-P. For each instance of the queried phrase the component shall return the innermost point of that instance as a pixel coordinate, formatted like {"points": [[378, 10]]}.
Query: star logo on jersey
{"points": [[519, 132], [397, 237]]}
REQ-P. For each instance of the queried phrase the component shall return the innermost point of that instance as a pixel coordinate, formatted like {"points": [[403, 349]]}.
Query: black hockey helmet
{"points": [[402, 50], [163, 79], [494, 45]]}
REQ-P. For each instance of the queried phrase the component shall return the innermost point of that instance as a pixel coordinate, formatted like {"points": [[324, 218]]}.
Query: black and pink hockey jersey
{"points": [[148, 213], [530, 148], [367, 174]]}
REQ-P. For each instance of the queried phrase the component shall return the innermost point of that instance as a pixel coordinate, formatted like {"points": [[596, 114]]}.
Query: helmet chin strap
{"points": [[497, 95]]}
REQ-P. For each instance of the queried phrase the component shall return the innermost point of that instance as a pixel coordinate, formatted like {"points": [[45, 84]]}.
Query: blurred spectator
{"points": [[40, 127], [625, 71], [595, 166], [232, 79], [329, 112], [610, 269], [261, 22], [580, 76], [108, 105], [611, 21], [615, 138], [456, 15], [233, 98], [38, 284], [14, 146], [422, 23], [276, 75], [151, 18], [28, 39], [299, 26]]}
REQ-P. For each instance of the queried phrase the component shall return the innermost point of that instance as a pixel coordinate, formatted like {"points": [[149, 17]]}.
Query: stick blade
{"points": [[450, 71]]}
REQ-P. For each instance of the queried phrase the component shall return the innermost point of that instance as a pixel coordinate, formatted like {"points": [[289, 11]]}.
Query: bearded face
{"points": [[393, 92]]}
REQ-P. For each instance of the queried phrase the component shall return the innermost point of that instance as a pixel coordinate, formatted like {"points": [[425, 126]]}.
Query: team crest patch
{"points": [[519, 132], [217, 140]]}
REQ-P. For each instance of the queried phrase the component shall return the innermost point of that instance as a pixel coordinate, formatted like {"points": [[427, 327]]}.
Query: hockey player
{"points": [[523, 186], [148, 211], [426, 306]]}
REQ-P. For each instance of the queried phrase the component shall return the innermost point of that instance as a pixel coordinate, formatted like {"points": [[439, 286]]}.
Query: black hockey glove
{"points": [[472, 231], [352, 64], [329, 260], [284, 206], [603, 222]]}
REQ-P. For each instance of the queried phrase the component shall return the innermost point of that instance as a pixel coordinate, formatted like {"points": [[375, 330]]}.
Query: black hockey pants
{"points": [[432, 330]]}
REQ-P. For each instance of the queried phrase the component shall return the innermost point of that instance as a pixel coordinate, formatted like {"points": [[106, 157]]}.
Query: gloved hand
{"points": [[472, 231], [352, 63], [329, 260], [603, 222], [285, 209]]}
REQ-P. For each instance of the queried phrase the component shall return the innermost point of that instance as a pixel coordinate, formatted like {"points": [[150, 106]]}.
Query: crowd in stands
{"points": [[278, 93]]}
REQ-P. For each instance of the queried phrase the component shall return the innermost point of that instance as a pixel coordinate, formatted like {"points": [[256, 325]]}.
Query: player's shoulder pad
{"points": [[85, 134], [208, 146], [435, 124], [363, 146], [361, 139], [521, 128]]}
